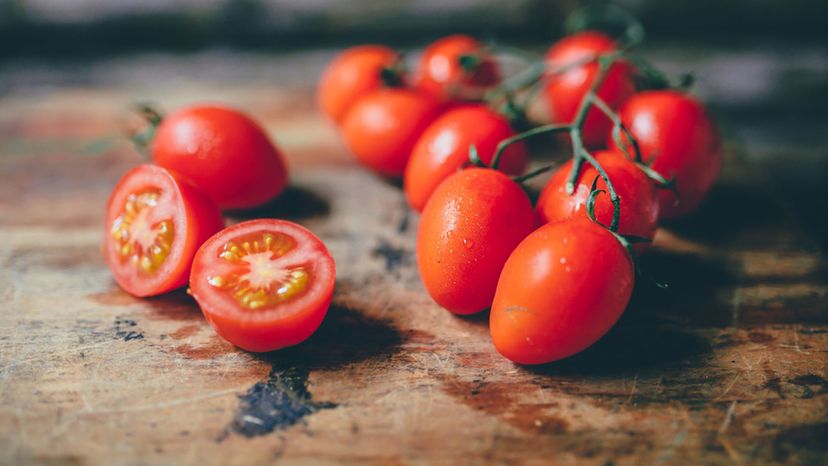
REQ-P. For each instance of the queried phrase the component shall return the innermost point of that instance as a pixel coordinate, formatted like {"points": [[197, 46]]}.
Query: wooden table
{"points": [[727, 365]]}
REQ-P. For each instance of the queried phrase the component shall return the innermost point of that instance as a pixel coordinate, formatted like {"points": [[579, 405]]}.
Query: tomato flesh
{"points": [[263, 284], [155, 222]]}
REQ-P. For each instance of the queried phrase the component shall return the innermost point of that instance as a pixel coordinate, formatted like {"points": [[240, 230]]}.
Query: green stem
{"points": [[504, 144], [533, 173], [616, 201], [618, 128]]}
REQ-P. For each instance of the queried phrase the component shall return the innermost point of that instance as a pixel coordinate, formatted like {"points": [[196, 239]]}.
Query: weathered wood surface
{"points": [[728, 365]]}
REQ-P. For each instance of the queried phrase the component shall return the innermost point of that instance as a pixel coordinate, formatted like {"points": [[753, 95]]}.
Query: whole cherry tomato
{"points": [[224, 153], [469, 227], [637, 193], [383, 126], [560, 291], [444, 147], [678, 139], [565, 89], [355, 72], [442, 74], [155, 222], [263, 284]]}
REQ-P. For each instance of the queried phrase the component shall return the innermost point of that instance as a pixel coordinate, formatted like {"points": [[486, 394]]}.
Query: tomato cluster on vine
{"points": [[558, 274]]}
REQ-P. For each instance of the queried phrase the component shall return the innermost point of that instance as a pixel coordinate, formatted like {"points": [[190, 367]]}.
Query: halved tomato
{"points": [[155, 223], [263, 284]]}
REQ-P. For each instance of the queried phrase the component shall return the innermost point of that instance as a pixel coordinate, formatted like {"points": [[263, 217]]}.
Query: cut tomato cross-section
{"points": [[263, 284], [154, 225]]}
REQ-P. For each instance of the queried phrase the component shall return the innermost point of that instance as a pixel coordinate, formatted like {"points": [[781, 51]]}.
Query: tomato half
{"points": [[352, 74], [383, 126], [224, 153], [154, 224], [442, 75], [565, 90], [444, 147], [679, 139], [469, 227], [561, 290], [263, 284], [638, 196]]}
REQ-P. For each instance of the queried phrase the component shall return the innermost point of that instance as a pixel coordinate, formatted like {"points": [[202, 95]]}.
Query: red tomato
{"points": [[154, 224], [442, 75], [675, 134], [564, 91], [468, 228], [444, 148], [561, 290], [637, 193], [263, 284], [382, 127], [352, 74], [224, 153]]}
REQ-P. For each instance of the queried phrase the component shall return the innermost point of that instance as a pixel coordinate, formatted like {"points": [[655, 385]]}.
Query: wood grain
{"points": [[727, 365]]}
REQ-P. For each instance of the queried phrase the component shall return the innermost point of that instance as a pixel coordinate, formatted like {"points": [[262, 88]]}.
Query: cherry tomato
{"points": [[444, 148], [561, 290], [565, 90], [351, 75], [154, 224], [263, 284], [676, 135], [442, 75], [224, 153], [637, 193], [469, 227], [383, 126]]}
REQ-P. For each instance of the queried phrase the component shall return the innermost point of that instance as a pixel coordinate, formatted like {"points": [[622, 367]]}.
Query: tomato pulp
{"points": [[154, 224], [263, 284]]}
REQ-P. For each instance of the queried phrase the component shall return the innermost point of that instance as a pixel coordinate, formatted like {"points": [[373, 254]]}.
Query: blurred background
{"points": [[761, 65]]}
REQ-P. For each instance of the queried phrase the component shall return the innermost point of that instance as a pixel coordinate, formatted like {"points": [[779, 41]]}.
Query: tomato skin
{"points": [[264, 329], [467, 230], [675, 134], [195, 219], [442, 76], [561, 290], [564, 91], [224, 153], [382, 128], [443, 148], [637, 192], [352, 74]]}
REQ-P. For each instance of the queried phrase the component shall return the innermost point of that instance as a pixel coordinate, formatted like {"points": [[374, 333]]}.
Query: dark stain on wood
{"points": [[802, 444], [395, 257], [275, 403], [176, 305], [126, 329]]}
